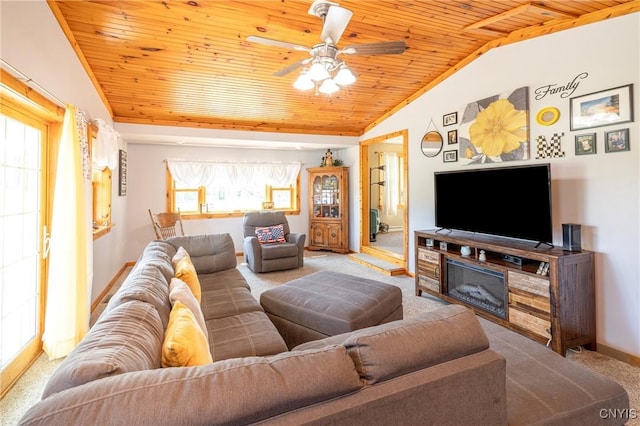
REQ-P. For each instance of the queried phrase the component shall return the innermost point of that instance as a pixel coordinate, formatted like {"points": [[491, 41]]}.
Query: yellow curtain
{"points": [[67, 311]]}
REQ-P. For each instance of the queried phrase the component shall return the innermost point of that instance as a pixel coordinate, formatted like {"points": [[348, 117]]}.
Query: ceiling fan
{"points": [[323, 70]]}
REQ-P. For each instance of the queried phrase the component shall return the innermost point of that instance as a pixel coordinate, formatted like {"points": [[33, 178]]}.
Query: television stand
{"points": [[548, 295]]}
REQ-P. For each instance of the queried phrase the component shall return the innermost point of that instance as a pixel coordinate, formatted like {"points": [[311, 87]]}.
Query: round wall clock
{"points": [[548, 116]]}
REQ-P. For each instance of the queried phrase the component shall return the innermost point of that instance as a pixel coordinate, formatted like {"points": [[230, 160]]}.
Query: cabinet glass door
{"points": [[326, 196]]}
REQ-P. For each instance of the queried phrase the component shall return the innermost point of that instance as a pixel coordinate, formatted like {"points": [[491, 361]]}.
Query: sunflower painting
{"points": [[495, 129]]}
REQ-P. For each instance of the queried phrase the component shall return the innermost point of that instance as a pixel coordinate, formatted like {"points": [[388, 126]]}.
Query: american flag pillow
{"points": [[270, 234]]}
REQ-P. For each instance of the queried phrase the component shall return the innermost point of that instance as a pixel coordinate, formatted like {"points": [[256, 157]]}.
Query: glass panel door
{"points": [[21, 264]]}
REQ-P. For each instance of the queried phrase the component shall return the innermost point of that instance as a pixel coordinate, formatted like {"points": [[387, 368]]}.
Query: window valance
{"points": [[105, 148], [192, 174]]}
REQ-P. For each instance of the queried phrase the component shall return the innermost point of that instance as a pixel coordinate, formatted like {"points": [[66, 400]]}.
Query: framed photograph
{"points": [[450, 156], [452, 136], [449, 119], [122, 175], [616, 140], [612, 106], [586, 144]]}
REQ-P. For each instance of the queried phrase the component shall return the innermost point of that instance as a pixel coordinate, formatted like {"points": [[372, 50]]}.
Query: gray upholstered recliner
{"points": [[267, 257]]}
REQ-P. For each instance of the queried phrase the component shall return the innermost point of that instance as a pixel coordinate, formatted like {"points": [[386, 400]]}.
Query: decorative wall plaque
{"points": [[122, 175]]}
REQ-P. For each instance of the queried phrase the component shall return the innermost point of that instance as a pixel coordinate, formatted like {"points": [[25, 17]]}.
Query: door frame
{"points": [[365, 246], [21, 102]]}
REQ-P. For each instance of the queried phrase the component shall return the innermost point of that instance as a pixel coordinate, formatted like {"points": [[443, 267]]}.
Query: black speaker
{"points": [[571, 238]]}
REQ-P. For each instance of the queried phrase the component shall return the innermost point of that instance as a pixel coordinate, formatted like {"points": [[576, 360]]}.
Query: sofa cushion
{"points": [[227, 279], [227, 302], [430, 338], [185, 344], [158, 253], [127, 338], [279, 250], [245, 334], [545, 388], [232, 392], [270, 234], [146, 282], [179, 291], [187, 273], [209, 253]]}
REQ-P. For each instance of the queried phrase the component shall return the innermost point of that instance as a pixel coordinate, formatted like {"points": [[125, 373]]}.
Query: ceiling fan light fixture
{"points": [[328, 87], [303, 82], [318, 72], [345, 76]]}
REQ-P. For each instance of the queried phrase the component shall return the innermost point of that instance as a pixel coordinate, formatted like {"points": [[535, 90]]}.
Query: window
{"points": [[225, 196], [101, 189]]}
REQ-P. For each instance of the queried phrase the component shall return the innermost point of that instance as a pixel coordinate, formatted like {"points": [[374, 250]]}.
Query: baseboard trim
{"points": [[104, 292], [619, 355]]}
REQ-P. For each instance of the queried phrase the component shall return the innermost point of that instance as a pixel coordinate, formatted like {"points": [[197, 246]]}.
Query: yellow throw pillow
{"points": [[185, 345], [180, 292], [180, 254], [187, 273]]}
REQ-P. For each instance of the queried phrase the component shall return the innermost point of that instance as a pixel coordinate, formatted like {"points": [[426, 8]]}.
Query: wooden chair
{"points": [[167, 225]]}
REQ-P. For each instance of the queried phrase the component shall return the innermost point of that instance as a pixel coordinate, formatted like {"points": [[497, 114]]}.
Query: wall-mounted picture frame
{"points": [[450, 156], [449, 119], [122, 175], [604, 108], [452, 137], [586, 144], [616, 140]]}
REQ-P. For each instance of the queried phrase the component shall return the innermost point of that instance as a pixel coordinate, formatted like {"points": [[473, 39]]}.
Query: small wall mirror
{"points": [[431, 143]]}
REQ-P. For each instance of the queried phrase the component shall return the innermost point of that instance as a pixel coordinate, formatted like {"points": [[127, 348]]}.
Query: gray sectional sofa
{"points": [[437, 368]]}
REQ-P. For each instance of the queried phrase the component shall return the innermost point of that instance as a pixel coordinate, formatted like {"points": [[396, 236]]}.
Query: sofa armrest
{"points": [[297, 238], [252, 253]]}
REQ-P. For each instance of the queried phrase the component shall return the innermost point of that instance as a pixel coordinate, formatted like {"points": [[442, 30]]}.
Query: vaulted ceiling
{"points": [[188, 63]]}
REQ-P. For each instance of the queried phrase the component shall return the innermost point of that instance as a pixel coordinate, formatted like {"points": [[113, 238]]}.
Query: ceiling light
{"points": [[344, 76], [318, 72], [325, 73], [304, 82], [328, 87]]}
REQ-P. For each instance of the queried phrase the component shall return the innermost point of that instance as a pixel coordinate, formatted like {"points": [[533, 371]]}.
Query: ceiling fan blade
{"points": [[292, 67], [335, 23], [277, 43], [383, 48]]}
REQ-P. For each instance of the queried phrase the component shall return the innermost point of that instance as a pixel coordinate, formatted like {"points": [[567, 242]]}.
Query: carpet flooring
{"points": [[29, 388], [390, 241]]}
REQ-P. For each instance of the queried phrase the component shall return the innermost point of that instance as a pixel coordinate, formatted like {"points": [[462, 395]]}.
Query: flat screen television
{"points": [[511, 201]]}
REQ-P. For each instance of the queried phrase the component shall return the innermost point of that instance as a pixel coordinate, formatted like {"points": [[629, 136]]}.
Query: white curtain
{"points": [[195, 174], [67, 310], [104, 152], [192, 175], [391, 185]]}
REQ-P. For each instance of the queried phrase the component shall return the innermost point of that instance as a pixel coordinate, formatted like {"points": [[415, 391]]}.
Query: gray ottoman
{"points": [[328, 303]]}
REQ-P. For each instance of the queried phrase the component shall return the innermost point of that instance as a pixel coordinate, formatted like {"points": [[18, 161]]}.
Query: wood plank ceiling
{"points": [[188, 63]]}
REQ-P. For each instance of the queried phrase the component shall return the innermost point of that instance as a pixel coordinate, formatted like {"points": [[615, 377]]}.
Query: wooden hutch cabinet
{"points": [[547, 294], [329, 209]]}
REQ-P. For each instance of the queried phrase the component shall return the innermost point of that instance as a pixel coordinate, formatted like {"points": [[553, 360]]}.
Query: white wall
{"points": [[146, 189], [601, 191], [33, 43]]}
